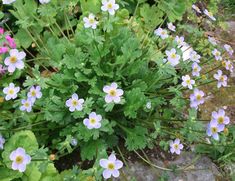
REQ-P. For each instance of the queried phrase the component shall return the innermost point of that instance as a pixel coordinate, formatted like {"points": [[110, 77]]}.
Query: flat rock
{"points": [[202, 169]]}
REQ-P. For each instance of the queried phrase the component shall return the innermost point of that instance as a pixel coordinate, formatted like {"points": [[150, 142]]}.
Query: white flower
{"points": [[220, 118], [161, 32], [209, 14], [113, 93], [196, 69], [217, 54], [228, 65], [176, 147], [74, 103], [8, 1], [90, 21], [34, 93], [229, 49], [172, 57], [171, 26], [93, 121], [195, 57], [149, 105], [74, 142], [222, 79], [187, 81], [180, 41], [11, 91], [111, 166], [26, 105], [2, 141], [212, 40], [44, 1], [15, 60], [196, 98], [110, 6], [196, 8], [20, 159]]}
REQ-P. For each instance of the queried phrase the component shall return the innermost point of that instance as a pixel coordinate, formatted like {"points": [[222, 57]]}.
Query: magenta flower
{"points": [[10, 41], [1, 31], [3, 50], [176, 147]]}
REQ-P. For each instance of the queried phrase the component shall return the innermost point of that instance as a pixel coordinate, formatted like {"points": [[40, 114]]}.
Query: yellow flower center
{"points": [[91, 20], [33, 93], [74, 102], [221, 120], [113, 92], [26, 104], [92, 121], [163, 33], [13, 59], [217, 54], [195, 69], [111, 166], [110, 6], [221, 78], [19, 159], [214, 130], [11, 92], [176, 146], [173, 55], [198, 97], [188, 81], [224, 63]]}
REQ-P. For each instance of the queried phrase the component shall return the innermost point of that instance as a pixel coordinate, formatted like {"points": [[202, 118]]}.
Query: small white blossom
{"points": [[217, 54], [209, 14], [176, 146], [213, 129], [110, 6], [90, 21], [196, 98], [113, 94], [2, 141], [11, 91], [222, 79], [74, 103], [212, 40], [220, 118], [44, 1], [20, 159], [195, 57], [161, 32], [74, 142], [172, 57], [111, 166], [196, 8], [180, 41], [229, 49], [187, 81], [93, 121], [15, 60], [8, 1], [228, 65], [196, 69], [149, 105], [34, 93], [26, 105], [171, 26]]}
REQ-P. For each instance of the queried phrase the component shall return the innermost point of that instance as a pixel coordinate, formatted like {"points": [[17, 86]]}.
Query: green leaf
{"points": [[136, 138], [8, 175]]}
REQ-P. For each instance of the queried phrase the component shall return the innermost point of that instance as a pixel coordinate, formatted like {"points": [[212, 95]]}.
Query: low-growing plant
{"points": [[106, 76]]}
